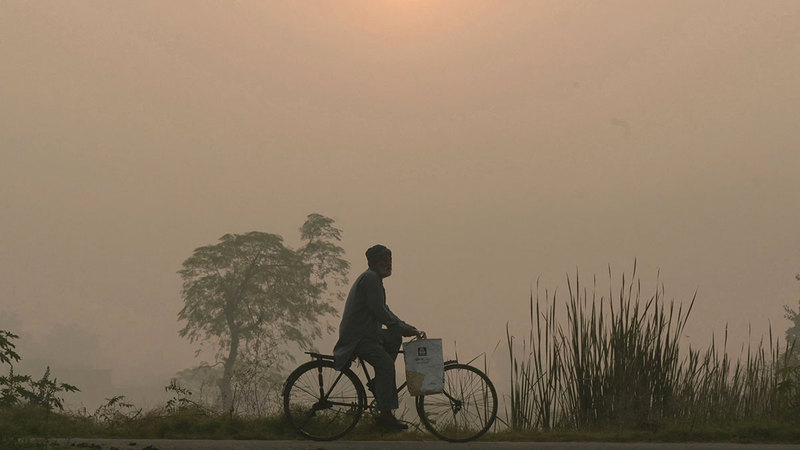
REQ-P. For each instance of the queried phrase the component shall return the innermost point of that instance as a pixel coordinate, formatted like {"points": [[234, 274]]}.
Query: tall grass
{"points": [[617, 361]]}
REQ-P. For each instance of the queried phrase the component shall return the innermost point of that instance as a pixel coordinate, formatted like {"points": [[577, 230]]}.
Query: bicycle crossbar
{"points": [[330, 357]]}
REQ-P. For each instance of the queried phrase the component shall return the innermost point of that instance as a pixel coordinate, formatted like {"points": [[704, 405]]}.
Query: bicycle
{"points": [[324, 404]]}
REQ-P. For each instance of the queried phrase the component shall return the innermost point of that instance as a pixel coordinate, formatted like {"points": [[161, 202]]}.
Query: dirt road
{"points": [[171, 444]]}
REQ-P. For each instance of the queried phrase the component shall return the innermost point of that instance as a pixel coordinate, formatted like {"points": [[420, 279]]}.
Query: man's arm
{"points": [[408, 330], [396, 319], [376, 302]]}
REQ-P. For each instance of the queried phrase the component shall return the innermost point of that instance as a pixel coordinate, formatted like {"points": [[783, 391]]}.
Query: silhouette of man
{"points": [[361, 334]]}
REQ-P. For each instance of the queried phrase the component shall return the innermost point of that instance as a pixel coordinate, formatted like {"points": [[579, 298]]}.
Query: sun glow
{"points": [[384, 17]]}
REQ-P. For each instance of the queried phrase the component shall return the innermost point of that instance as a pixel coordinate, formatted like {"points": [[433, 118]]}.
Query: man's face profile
{"points": [[384, 266]]}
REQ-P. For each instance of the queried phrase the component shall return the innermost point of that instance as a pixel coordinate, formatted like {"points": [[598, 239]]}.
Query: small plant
{"points": [[203, 381], [257, 385], [789, 388], [12, 388], [16, 389], [45, 392], [7, 353], [115, 411], [180, 400]]}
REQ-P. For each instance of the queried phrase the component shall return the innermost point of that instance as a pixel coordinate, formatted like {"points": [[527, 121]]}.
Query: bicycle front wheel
{"points": [[322, 403], [465, 409]]}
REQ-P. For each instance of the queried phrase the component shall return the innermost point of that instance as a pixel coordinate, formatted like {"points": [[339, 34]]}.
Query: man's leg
{"points": [[385, 384], [392, 339]]}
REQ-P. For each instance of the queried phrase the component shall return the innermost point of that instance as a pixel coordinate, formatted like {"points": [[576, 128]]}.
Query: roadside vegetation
{"points": [[593, 367], [615, 364]]}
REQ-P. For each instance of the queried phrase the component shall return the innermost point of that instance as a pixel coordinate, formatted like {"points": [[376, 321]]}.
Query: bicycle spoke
{"points": [[464, 410], [321, 402]]}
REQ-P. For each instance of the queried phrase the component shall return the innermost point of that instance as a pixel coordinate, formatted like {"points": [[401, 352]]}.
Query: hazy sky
{"points": [[486, 143]]}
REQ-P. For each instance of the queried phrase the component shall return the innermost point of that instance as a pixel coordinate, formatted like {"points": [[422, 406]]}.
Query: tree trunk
{"points": [[225, 390]]}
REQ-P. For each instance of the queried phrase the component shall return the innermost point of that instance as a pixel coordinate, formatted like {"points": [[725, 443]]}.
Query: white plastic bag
{"points": [[424, 366]]}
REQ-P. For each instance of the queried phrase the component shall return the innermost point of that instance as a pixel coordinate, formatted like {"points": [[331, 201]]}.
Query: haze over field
{"points": [[487, 143]]}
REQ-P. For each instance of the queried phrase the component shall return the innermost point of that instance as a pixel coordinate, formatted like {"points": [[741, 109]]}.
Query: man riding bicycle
{"points": [[361, 333]]}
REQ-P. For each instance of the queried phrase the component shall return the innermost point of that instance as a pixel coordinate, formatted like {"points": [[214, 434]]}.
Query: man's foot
{"points": [[388, 421]]}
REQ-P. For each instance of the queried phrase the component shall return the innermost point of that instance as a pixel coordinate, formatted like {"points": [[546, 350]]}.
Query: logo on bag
{"points": [[422, 351]]}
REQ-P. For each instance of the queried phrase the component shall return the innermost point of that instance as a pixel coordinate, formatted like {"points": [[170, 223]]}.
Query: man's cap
{"points": [[376, 253]]}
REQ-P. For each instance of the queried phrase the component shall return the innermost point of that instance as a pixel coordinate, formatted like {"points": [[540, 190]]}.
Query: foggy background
{"points": [[488, 144]]}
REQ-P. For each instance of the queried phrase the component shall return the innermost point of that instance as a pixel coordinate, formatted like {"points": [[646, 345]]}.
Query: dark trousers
{"points": [[381, 356]]}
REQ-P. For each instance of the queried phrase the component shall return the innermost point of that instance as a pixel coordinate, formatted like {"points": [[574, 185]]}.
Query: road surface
{"points": [[174, 444]]}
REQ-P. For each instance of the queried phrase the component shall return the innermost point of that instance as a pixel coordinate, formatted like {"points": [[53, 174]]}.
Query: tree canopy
{"points": [[250, 293]]}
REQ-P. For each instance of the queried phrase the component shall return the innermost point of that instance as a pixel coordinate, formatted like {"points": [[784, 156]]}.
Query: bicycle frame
{"points": [[365, 371]]}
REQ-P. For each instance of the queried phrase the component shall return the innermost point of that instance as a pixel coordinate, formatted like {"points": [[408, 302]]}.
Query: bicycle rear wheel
{"points": [[322, 403], [465, 410]]}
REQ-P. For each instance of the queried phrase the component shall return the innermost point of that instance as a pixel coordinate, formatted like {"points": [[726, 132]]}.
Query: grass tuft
{"points": [[616, 362]]}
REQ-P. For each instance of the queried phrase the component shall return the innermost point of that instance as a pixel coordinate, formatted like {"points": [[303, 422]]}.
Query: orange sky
{"points": [[486, 143]]}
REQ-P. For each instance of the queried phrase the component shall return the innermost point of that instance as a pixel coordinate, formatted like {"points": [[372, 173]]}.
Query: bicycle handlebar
{"points": [[420, 335]]}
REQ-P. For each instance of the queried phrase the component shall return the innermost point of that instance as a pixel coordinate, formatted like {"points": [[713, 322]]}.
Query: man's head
{"points": [[379, 259]]}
